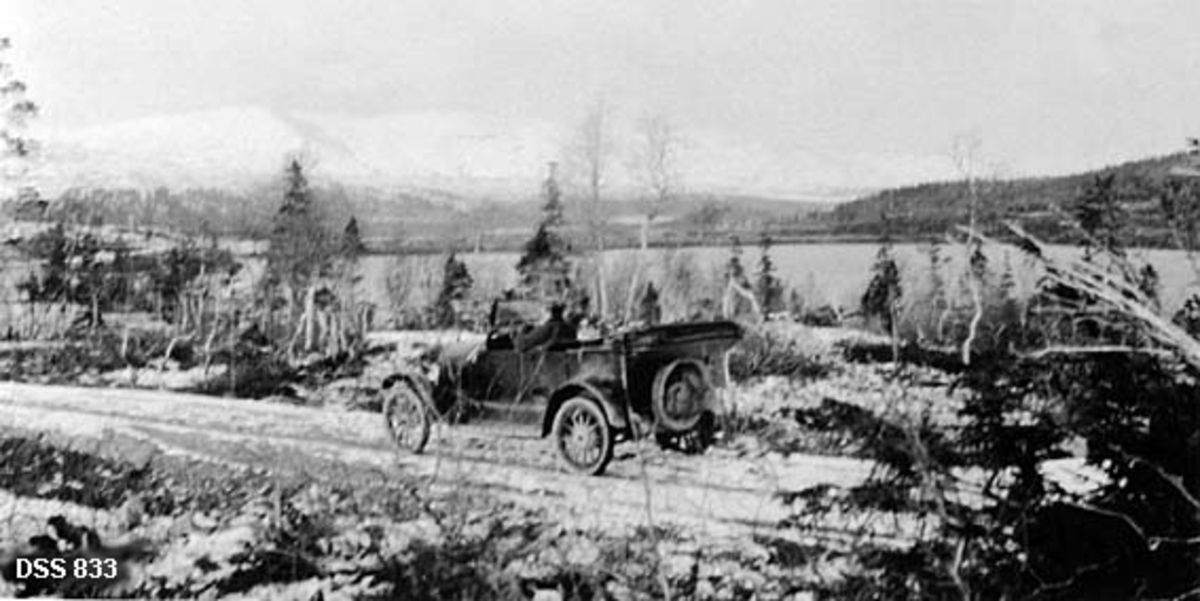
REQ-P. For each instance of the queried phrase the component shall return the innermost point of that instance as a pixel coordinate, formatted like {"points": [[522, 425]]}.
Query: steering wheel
{"points": [[495, 339]]}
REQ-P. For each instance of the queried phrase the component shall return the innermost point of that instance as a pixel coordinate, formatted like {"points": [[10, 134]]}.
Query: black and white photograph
{"points": [[563, 300]]}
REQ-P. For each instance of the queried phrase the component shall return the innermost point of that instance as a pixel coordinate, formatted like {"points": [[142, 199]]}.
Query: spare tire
{"points": [[680, 394]]}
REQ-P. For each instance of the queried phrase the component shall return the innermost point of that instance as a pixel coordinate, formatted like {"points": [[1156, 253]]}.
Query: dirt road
{"points": [[718, 494]]}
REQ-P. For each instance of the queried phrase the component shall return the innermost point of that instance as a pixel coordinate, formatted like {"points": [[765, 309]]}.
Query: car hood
{"points": [[452, 354]]}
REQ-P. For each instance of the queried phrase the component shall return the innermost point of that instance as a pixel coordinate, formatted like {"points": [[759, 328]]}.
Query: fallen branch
{"points": [[1114, 290], [1095, 350]]}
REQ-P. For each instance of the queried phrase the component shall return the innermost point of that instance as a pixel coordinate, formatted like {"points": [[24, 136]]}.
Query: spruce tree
{"points": [[1148, 282], [1099, 212], [456, 285], [795, 304], [734, 270], [299, 245], [649, 309], [937, 303], [351, 246], [882, 297], [977, 265], [937, 281], [543, 268], [52, 247], [768, 286], [552, 210]]}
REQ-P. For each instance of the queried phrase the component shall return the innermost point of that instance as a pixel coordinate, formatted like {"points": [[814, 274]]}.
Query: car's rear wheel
{"points": [[582, 436], [407, 417]]}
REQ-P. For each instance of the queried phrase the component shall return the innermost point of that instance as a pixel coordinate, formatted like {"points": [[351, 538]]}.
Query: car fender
{"points": [[413, 380], [601, 391]]}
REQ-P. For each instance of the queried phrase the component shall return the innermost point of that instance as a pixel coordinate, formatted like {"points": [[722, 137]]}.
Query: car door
{"points": [[496, 376]]}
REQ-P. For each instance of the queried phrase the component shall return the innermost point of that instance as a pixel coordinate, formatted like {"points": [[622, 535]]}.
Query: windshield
{"points": [[509, 313]]}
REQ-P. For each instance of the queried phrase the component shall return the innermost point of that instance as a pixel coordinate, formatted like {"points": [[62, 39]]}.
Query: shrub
{"points": [[993, 523], [252, 376], [767, 351], [882, 297], [412, 283], [688, 291], [824, 316]]}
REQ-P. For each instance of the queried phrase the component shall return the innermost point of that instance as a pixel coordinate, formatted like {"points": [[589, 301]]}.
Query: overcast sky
{"points": [[1046, 85]]}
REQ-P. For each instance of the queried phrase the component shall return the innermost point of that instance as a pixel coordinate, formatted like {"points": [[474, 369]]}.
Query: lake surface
{"points": [[835, 273], [822, 273]]}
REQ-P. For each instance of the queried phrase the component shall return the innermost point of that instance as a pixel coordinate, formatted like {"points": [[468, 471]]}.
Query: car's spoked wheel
{"points": [[582, 436], [407, 417]]}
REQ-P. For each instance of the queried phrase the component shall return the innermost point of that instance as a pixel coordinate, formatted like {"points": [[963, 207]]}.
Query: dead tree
{"points": [[592, 151], [657, 164], [1114, 289]]}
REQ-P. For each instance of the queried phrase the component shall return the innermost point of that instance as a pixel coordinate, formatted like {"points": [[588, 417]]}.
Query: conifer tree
{"points": [[1101, 216], [795, 304], [937, 303], [649, 309], [299, 245], [882, 297], [737, 282], [456, 285], [543, 268], [734, 270], [1148, 282], [769, 288], [937, 281], [351, 246]]}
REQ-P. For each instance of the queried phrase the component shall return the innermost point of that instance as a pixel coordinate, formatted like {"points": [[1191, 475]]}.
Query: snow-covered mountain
{"points": [[460, 153]]}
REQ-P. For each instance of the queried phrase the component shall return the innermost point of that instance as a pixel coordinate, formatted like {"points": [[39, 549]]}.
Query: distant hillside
{"points": [[435, 220], [469, 154], [415, 219], [1039, 203]]}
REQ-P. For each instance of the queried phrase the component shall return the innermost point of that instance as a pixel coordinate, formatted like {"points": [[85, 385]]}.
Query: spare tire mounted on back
{"points": [[680, 394]]}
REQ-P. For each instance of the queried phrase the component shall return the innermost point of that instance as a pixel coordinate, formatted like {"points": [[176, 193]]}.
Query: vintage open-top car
{"points": [[588, 394]]}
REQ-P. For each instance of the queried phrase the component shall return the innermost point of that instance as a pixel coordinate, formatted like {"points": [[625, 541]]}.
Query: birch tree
{"points": [[592, 152], [655, 163]]}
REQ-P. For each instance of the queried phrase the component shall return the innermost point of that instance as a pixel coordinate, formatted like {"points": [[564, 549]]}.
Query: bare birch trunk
{"points": [[309, 320], [640, 259], [739, 290]]}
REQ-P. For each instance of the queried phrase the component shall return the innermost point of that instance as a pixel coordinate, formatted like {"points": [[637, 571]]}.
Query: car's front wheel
{"points": [[582, 436], [407, 417]]}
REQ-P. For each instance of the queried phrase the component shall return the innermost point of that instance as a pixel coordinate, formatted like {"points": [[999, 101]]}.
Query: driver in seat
{"points": [[556, 329]]}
